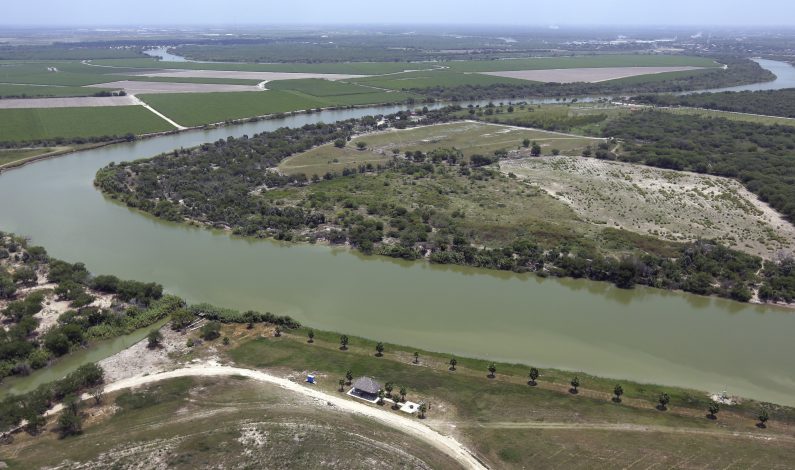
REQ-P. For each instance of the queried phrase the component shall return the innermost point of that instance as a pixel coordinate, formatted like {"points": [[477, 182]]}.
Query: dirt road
{"points": [[410, 426]]}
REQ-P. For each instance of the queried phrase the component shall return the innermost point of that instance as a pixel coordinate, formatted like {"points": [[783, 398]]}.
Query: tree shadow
{"points": [[532, 383], [616, 399], [761, 425], [573, 391], [661, 407], [711, 416]]}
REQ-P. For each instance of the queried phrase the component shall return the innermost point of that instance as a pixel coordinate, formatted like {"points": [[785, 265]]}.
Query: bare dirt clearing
{"points": [[76, 102], [227, 74], [673, 205], [591, 75], [134, 87]]}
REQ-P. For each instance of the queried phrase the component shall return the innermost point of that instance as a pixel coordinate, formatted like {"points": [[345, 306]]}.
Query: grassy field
{"points": [[576, 118], [512, 425], [469, 137], [766, 120], [319, 87], [231, 423], [631, 60], [15, 155], [70, 73], [35, 124]]}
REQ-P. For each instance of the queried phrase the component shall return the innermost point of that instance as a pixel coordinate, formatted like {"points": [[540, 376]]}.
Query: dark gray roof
{"points": [[366, 384]]}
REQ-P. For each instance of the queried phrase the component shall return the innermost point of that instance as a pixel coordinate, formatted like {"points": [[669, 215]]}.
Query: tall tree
{"points": [[379, 349], [344, 342], [492, 370], [664, 399], [311, 336], [453, 363], [713, 410]]}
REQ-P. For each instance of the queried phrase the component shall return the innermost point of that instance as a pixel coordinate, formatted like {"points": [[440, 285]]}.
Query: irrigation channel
{"points": [[646, 335]]}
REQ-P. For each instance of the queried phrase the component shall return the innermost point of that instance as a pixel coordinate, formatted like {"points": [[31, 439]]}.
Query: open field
{"points": [[766, 120], [469, 137], [34, 91], [14, 155], [35, 124], [433, 78], [194, 109], [141, 87], [351, 68], [672, 205], [545, 63], [263, 76], [229, 422], [319, 87], [591, 75], [73, 102]]}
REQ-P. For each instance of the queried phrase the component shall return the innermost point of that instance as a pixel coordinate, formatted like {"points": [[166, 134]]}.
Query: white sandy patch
{"points": [[75, 102], [53, 309], [592, 75], [672, 205], [134, 87], [263, 76], [139, 359]]}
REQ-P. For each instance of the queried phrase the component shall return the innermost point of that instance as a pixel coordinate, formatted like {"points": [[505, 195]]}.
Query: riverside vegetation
{"points": [[452, 208]]}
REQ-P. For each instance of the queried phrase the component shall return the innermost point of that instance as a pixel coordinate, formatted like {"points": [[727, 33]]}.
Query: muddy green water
{"points": [[644, 334]]}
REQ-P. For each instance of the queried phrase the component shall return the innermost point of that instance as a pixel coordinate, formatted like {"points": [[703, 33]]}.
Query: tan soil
{"points": [[591, 75], [141, 88]]}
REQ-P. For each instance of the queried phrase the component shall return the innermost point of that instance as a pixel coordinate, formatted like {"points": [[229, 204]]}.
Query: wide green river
{"points": [[643, 334]]}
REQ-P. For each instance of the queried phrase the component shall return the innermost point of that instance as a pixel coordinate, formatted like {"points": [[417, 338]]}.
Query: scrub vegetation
{"points": [[771, 102], [428, 200], [50, 307]]}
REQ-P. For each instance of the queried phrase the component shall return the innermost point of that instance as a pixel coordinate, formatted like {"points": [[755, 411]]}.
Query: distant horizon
{"points": [[622, 13]]}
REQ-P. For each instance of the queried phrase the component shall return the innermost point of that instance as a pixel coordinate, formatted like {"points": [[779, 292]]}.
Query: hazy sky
{"points": [[529, 12]]}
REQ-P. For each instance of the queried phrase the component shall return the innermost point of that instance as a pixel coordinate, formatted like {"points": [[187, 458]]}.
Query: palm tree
{"points": [[278, 332], [380, 396], [403, 392], [453, 363], [311, 335], [533, 375], [713, 410], [763, 417], [575, 382], [423, 409], [492, 370], [388, 387], [618, 390], [349, 376], [379, 349], [664, 399], [342, 385], [416, 357], [344, 342]]}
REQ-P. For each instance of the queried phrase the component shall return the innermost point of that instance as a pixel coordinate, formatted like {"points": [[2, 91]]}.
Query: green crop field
{"points": [[434, 78], [195, 109], [353, 68], [39, 123], [634, 60], [38, 91], [68, 73], [15, 155]]}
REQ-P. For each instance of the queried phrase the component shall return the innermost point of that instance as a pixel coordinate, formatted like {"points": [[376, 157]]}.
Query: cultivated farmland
{"points": [[35, 124]]}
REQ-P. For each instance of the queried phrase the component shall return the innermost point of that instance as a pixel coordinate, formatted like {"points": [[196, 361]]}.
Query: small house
{"points": [[366, 388]]}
